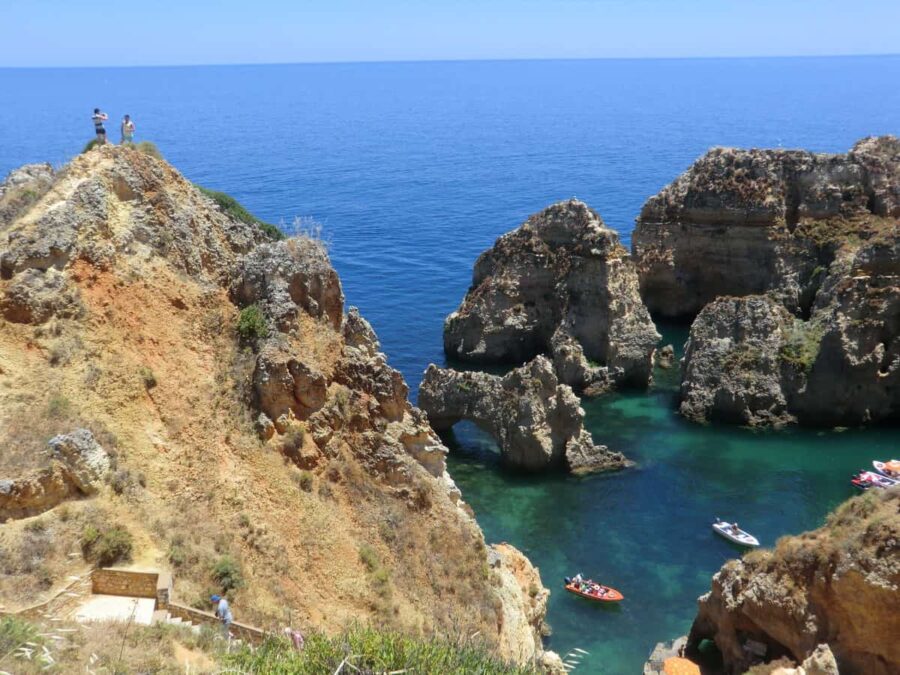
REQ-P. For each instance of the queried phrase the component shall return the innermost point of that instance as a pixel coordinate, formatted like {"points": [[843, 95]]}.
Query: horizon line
{"points": [[459, 60]]}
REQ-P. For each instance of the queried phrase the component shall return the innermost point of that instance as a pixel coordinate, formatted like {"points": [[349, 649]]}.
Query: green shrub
{"points": [[369, 650], [226, 572], [108, 546], [233, 208], [59, 407], [252, 324], [305, 481], [149, 148], [801, 346], [177, 555], [369, 557], [90, 145], [15, 632]]}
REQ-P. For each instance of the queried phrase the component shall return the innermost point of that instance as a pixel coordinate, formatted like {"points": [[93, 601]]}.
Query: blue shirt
{"points": [[223, 611]]}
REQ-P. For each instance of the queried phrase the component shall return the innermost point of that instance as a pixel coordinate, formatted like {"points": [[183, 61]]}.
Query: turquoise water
{"points": [[646, 531], [415, 168]]}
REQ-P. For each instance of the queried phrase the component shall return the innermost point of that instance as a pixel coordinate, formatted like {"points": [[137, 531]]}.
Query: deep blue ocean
{"points": [[413, 169]]}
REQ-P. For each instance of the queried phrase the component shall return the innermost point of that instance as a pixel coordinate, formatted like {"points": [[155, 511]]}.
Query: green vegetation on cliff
{"points": [[370, 650], [233, 208], [801, 346]]}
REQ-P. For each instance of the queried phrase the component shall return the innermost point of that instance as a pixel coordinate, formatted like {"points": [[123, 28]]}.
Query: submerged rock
{"points": [[560, 284], [537, 421]]}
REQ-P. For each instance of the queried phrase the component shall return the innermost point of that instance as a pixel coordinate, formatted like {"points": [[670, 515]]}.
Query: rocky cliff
{"points": [[562, 285], [749, 360], [255, 438], [742, 222], [836, 586], [537, 422], [789, 260]]}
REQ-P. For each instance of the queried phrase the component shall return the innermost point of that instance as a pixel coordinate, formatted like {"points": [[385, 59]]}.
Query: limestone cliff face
{"points": [[750, 361], [836, 586], [538, 422], [561, 284], [742, 222], [290, 448]]}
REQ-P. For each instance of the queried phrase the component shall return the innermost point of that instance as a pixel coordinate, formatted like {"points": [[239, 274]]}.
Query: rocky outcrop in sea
{"points": [[560, 285], [537, 422], [789, 260], [826, 599], [743, 222]]}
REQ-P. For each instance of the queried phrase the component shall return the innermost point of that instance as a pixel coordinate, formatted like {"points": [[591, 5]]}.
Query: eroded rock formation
{"points": [[743, 222], [538, 422], [750, 361], [562, 285], [836, 586], [789, 260], [77, 467]]}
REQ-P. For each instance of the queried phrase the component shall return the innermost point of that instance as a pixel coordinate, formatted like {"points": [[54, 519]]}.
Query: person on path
{"points": [[127, 130], [223, 613], [99, 118]]}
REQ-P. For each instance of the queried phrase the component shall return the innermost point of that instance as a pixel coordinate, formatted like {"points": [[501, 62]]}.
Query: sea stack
{"points": [[789, 260], [561, 285]]}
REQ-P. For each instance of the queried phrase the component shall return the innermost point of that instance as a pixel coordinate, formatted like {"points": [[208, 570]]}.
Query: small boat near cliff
{"points": [[867, 479], [889, 469], [591, 590], [733, 533]]}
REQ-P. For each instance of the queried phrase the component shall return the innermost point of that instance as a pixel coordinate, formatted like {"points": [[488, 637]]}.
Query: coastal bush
{"points": [[90, 145], [252, 324], [305, 481], [292, 442], [106, 546], [801, 345], [149, 148], [23, 642], [369, 558], [233, 208], [226, 572], [370, 650]]}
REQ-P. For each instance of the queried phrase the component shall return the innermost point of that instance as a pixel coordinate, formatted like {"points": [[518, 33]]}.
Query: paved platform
{"points": [[115, 608]]}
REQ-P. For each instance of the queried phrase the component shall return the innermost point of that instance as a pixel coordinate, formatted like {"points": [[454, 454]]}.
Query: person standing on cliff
{"points": [[223, 613], [127, 130], [99, 118]]}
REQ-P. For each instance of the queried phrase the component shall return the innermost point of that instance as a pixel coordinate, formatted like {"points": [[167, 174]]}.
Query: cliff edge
{"points": [[221, 415]]}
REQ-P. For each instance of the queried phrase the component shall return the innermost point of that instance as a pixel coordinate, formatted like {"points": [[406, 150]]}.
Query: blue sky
{"points": [[162, 32]]}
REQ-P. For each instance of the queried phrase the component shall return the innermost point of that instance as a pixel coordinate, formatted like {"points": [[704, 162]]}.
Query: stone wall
{"points": [[124, 582], [199, 617]]}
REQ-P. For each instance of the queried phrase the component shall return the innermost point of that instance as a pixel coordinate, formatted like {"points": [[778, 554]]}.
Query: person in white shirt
{"points": [[127, 130]]}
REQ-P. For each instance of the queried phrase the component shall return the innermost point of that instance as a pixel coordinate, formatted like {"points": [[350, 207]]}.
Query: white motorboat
{"points": [[733, 533]]}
